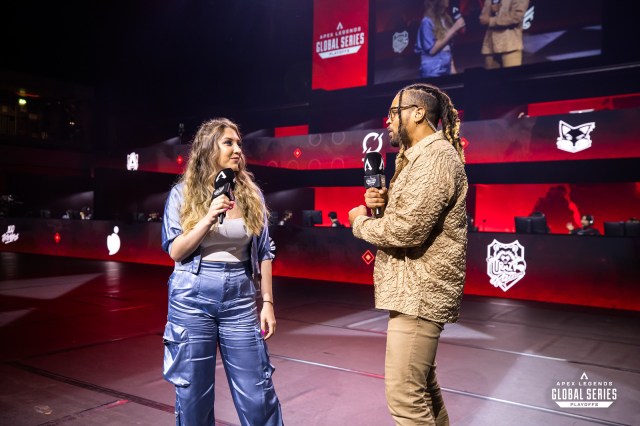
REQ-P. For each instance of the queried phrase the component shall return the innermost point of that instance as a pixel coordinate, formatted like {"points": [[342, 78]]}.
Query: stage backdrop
{"points": [[590, 271], [594, 135]]}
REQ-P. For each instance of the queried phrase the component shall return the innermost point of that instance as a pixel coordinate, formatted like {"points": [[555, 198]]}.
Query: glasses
{"points": [[393, 111]]}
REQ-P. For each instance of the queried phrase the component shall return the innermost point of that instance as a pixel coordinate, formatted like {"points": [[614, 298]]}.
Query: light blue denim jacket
{"points": [[431, 65], [171, 228]]}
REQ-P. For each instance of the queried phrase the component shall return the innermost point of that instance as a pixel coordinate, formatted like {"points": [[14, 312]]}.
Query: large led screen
{"points": [[405, 47]]}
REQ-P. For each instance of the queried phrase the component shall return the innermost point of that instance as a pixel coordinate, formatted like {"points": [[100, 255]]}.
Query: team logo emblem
{"points": [[505, 264], [400, 41], [574, 139], [377, 137], [132, 161]]}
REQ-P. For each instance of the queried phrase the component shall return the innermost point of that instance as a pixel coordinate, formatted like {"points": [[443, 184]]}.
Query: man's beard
{"points": [[400, 138]]}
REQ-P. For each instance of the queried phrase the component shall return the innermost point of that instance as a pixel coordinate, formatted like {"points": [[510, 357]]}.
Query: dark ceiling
{"points": [[179, 58]]}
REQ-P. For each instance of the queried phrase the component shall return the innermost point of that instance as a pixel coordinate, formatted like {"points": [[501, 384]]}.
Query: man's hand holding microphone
{"points": [[374, 182]]}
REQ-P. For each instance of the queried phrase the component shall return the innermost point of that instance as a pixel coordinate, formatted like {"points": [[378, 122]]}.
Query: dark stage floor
{"points": [[82, 345]]}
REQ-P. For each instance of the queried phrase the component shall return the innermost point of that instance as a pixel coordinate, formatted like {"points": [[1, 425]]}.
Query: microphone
{"points": [[456, 13], [374, 175], [225, 183], [495, 7]]}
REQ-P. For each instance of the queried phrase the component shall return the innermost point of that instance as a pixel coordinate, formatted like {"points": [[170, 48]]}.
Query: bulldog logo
{"points": [[400, 41], [574, 139], [505, 264]]}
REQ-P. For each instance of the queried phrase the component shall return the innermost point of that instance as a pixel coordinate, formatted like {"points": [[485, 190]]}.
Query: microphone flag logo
{"points": [[367, 165]]}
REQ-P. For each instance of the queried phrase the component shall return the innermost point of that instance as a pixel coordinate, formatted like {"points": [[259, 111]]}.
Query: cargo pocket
{"points": [[177, 355], [267, 369]]}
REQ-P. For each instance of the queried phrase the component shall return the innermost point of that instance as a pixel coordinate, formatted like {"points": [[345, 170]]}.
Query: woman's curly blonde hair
{"points": [[199, 176]]}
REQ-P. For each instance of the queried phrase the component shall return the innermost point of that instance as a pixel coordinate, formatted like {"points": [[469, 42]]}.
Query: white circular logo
{"points": [[365, 142]]}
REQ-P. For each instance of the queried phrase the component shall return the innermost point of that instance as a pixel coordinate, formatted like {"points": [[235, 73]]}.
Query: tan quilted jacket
{"points": [[504, 33], [422, 235]]}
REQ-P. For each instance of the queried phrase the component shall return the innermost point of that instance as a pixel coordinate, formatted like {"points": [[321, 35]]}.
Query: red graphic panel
{"points": [[339, 200], [496, 205], [606, 134], [340, 44], [338, 150], [585, 104], [598, 135]]}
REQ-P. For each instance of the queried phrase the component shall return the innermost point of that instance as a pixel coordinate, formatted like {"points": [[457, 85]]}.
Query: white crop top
{"points": [[228, 243]]}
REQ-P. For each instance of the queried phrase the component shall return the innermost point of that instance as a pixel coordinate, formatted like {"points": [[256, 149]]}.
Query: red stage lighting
{"points": [[297, 153], [56, 237], [180, 160], [465, 143]]}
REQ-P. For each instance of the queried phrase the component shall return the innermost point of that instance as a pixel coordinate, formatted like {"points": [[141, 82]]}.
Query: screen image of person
{"points": [[587, 228], [433, 43], [212, 290], [494, 34], [421, 238], [502, 45]]}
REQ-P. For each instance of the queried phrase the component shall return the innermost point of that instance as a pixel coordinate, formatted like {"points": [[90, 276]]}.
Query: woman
{"points": [[436, 31], [212, 297]]}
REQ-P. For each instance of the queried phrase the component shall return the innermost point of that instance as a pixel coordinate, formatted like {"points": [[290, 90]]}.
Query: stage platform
{"points": [[82, 346]]}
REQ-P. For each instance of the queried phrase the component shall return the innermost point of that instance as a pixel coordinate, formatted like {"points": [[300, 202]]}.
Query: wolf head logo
{"points": [[574, 139]]}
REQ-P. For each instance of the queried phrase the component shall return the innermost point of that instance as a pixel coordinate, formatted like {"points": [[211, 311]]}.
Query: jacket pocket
{"points": [[178, 368]]}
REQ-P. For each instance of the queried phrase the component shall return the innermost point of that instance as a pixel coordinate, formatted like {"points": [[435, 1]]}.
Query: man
{"points": [[502, 44], [335, 223], [422, 239], [587, 226]]}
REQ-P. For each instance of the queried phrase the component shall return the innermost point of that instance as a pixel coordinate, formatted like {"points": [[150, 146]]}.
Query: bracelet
{"points": [[268, 301]]}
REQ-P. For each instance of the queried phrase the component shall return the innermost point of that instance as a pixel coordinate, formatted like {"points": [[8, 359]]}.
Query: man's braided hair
{"points": [[439, 109]]}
